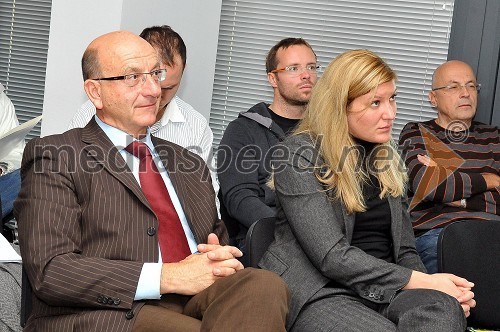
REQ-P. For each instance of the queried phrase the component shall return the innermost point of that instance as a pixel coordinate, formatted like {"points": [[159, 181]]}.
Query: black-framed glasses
{"points": [[312, 69], [132, 80], [455, 87]]}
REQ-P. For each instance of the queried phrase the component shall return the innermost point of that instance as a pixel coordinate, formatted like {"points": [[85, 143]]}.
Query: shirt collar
{"points": [[121, 139], [172, 113]]}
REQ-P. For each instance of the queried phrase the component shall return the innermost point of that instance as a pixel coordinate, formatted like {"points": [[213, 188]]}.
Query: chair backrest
{"points": [[471, 249], [259, 236], [9, 228], [26, 294]]}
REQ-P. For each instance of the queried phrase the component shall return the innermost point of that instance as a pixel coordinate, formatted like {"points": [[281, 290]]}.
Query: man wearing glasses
{"points": [[453, 162], [119, 229], [245, 151], [177, 121]]}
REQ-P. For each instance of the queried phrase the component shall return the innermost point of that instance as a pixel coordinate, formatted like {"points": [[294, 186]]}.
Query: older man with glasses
{"points": [[176, 121], [453, 162], [245, 151], [119, 229]]}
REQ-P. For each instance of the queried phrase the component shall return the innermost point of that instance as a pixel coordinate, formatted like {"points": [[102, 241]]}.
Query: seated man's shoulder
{"points": [[252, 123], [163, 146], [239, 131], [486, 128], [69, 137], [66, 146], [86, 111], [88, 107], [415, 125], [189, 112], [413, 129], [69, 141]]}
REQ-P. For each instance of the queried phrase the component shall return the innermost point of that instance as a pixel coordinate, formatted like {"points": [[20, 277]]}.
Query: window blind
{"points": [[412, 36], [24, 37]]}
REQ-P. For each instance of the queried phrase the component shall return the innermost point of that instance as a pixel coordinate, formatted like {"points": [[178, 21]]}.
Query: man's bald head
{"points": [[449, 66], [104, 48]]}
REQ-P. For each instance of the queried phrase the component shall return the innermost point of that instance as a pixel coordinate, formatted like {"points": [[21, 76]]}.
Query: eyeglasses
{"points": [[455, 87], [132, 80], [298, 70]]}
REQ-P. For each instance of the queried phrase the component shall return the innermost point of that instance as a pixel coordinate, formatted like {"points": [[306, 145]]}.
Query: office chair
{"points": [[471, 249], [259, 236]]}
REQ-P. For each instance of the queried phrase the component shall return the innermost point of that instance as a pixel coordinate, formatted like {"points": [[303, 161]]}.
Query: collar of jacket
{"points": [[260, 114]]}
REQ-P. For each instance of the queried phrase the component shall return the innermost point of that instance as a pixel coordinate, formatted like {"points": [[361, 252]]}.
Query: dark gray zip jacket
{"points": [[243, 169]]}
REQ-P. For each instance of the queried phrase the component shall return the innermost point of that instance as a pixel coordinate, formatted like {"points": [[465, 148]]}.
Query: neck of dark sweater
{"points": [[365, 147]]}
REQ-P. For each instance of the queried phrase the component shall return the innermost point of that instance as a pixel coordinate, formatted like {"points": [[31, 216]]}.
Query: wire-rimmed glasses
{"points": [[455, 87]]}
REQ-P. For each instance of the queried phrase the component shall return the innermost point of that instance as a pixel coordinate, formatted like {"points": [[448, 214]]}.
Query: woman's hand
{"points": [[459, 288], [467, 301]]}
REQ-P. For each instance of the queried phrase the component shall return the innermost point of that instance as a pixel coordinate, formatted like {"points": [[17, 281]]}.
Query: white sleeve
{"points": [[8, 120], [207, 155]]}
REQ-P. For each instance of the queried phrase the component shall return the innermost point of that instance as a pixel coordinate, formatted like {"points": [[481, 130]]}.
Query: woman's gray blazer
{"points": [[313, 234]]}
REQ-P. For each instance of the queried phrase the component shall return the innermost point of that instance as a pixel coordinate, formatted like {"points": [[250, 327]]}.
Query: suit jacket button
{"points": [[99, 299], [129, 314], [381, 297], [151, 231], [117, 301], [111, 300]]}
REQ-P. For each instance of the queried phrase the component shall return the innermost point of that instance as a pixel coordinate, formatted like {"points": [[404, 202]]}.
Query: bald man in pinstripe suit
{"points": [[88, 234]]}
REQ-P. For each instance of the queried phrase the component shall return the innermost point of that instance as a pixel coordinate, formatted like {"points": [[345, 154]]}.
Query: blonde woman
{"points": [[343, 240]]}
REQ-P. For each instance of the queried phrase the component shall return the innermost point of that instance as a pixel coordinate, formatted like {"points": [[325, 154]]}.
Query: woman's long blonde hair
{"points": [[350, 75]]}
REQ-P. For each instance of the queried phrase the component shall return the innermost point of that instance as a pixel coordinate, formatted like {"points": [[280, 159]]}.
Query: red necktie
{"points": [[173, 242]]}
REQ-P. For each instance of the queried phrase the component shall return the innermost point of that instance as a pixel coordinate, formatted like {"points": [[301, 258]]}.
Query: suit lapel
{"points": [[101, 149], [396, 223]]}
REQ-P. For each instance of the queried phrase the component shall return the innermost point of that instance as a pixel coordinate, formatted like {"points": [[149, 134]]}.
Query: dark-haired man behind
{"points": [[244, 154]]}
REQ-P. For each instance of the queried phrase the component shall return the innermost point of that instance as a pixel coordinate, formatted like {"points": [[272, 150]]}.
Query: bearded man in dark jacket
{"points": [[246, 149]]}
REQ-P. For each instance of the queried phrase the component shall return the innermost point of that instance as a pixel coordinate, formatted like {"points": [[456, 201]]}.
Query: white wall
{"points": [[71, 31], [75, 23]]}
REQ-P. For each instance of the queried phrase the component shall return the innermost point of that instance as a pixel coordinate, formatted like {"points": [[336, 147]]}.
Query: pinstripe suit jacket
{"points": [[86, 227], [313, 234]]}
